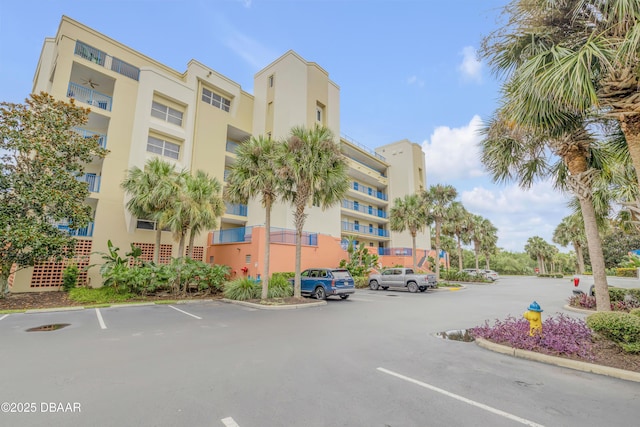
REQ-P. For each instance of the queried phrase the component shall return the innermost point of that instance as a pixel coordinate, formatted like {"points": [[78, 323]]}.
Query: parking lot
{"points": [[372, 360]]}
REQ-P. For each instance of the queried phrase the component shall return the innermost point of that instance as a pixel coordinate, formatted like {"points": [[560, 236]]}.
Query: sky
{"points": [[405, 68]]}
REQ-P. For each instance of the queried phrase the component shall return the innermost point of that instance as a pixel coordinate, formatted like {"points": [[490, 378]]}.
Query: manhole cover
{"points": [[47, 328], [456, 335]]}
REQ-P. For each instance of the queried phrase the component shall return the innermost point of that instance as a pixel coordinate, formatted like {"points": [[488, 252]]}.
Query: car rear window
{"points": [[341, 274]]}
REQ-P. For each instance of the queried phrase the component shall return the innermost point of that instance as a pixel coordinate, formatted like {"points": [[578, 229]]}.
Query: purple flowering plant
{"points": [[560, 336]]}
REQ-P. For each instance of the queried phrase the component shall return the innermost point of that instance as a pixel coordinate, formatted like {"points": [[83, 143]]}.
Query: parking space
{"points": [[371, 360]]}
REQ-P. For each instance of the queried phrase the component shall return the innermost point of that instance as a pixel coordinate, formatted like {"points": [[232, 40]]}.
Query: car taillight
{"points": [[333, 283]]}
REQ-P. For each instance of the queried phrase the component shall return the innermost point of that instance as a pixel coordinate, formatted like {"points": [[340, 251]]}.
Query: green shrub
{"points": [[242, 289], [617, 326], [617, 294], [103, 295], [361, 282], [633, 347], [635, 312], [285, 274], [279, 287], [627, 272], [635, 293], [70, 277]]}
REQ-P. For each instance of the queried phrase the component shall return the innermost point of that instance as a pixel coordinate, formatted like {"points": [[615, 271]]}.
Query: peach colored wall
{"points": [[328, 253]]}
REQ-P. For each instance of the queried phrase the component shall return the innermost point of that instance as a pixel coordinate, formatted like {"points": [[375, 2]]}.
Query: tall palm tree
{"points": [[480, 229], [254, 175], [489, 244], [536, 247], [205, 204], [571, 231], [408, 213], [313, 170], [152, 191], [197, 207], [438, 199], [457, 224], [574, 55]]}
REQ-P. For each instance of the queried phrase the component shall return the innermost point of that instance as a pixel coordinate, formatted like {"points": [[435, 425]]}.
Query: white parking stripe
{"points": [[100, 320], [463, 399], [229, 422], [188, 314], [6, 315]]}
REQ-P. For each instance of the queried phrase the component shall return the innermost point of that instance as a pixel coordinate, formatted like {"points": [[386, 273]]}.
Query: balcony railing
{"points": [[364, 229], [355, 206], [367, 149], [89, 96], [369, 191], [232, 146], [395, 251], [236, 209], [99, 57], [93, 180], [368, 167], [102, 139], [278, 235], [79, 232]]}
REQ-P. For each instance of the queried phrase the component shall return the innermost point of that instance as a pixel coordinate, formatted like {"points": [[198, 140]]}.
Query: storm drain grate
{"points": [[48, 328]]}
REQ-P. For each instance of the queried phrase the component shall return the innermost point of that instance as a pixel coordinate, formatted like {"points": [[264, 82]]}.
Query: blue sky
{"points": [[406, 69]]}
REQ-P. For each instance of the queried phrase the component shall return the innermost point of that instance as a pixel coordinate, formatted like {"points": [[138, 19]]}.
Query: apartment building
{"points": [[141, 108]]}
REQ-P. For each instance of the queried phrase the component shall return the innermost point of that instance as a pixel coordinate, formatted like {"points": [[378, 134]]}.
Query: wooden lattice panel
{"points": [[165, 254], [49, 274]]}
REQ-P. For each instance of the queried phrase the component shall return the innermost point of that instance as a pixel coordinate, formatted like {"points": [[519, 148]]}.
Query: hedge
{"points": [[627, 272], [617, 326]]}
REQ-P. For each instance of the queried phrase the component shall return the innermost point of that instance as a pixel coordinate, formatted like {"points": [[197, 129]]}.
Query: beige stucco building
{"points": [[141, 108]]}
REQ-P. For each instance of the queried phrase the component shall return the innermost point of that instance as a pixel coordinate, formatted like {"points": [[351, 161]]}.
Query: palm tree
{"points": [[197, 207], [536, 248], [577, 55], [489, 244], [254, 175], [571, 231], [457, 224], [481, 229], [438, 199], [408, 213], [152, 190], [205, 205], [313, 170]]}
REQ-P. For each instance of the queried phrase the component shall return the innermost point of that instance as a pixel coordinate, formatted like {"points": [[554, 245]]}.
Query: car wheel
{"points": [[344, 296], [320, 293], [413, 287], [373, 285], [423, 288], [384, 288]]}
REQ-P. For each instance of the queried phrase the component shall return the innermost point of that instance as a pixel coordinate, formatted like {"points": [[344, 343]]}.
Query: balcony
{"points": [[368, 191], [362, 229], [77, 232], [102, 139], [278, 235], [369, 210], [232, 235], [100, 58], [236, 209], [232, 147], [362, 147], [395, 251], [89, 96], [93, 180]]}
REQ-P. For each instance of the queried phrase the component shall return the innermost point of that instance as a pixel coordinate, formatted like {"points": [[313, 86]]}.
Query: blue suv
{"points": [[323, 282]]}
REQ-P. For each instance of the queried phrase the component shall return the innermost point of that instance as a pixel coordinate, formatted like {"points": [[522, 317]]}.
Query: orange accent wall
{"points": [[327, 253]]}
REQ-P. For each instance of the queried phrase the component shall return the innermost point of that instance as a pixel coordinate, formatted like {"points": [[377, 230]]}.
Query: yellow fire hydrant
{"points": [[535, 318]]}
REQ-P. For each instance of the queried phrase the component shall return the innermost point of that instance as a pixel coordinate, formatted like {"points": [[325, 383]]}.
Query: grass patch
{"points": [[167, 302], [97, 306], [11, 311], [448, 285], [104, 295]]}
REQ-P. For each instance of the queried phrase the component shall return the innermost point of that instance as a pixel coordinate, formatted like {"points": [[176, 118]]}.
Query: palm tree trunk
{"points": [[299, 220], [267, 249], [630, 126], [156, 253], [181, 245], [437, 257], [580, 258], [594, 244], [476, 250], [5, 272], [192, 238], [459, 254], [413, 249]]}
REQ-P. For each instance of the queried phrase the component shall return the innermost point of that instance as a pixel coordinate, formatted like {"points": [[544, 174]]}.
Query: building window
{"points": [[163, 148], [247, 259], [271, 80], [319, 114], [165, 113], [216, 100]]}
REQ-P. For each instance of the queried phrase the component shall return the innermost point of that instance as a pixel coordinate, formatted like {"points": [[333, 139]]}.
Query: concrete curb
{"points": [[560, 361], [579, 310], [275, 307], [118, 305], [51, 310]]}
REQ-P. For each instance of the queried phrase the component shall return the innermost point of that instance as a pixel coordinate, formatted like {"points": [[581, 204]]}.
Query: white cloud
{"points": [[471, 67], [249, 49], [519, 214], [454, 153], [414, 80]]}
